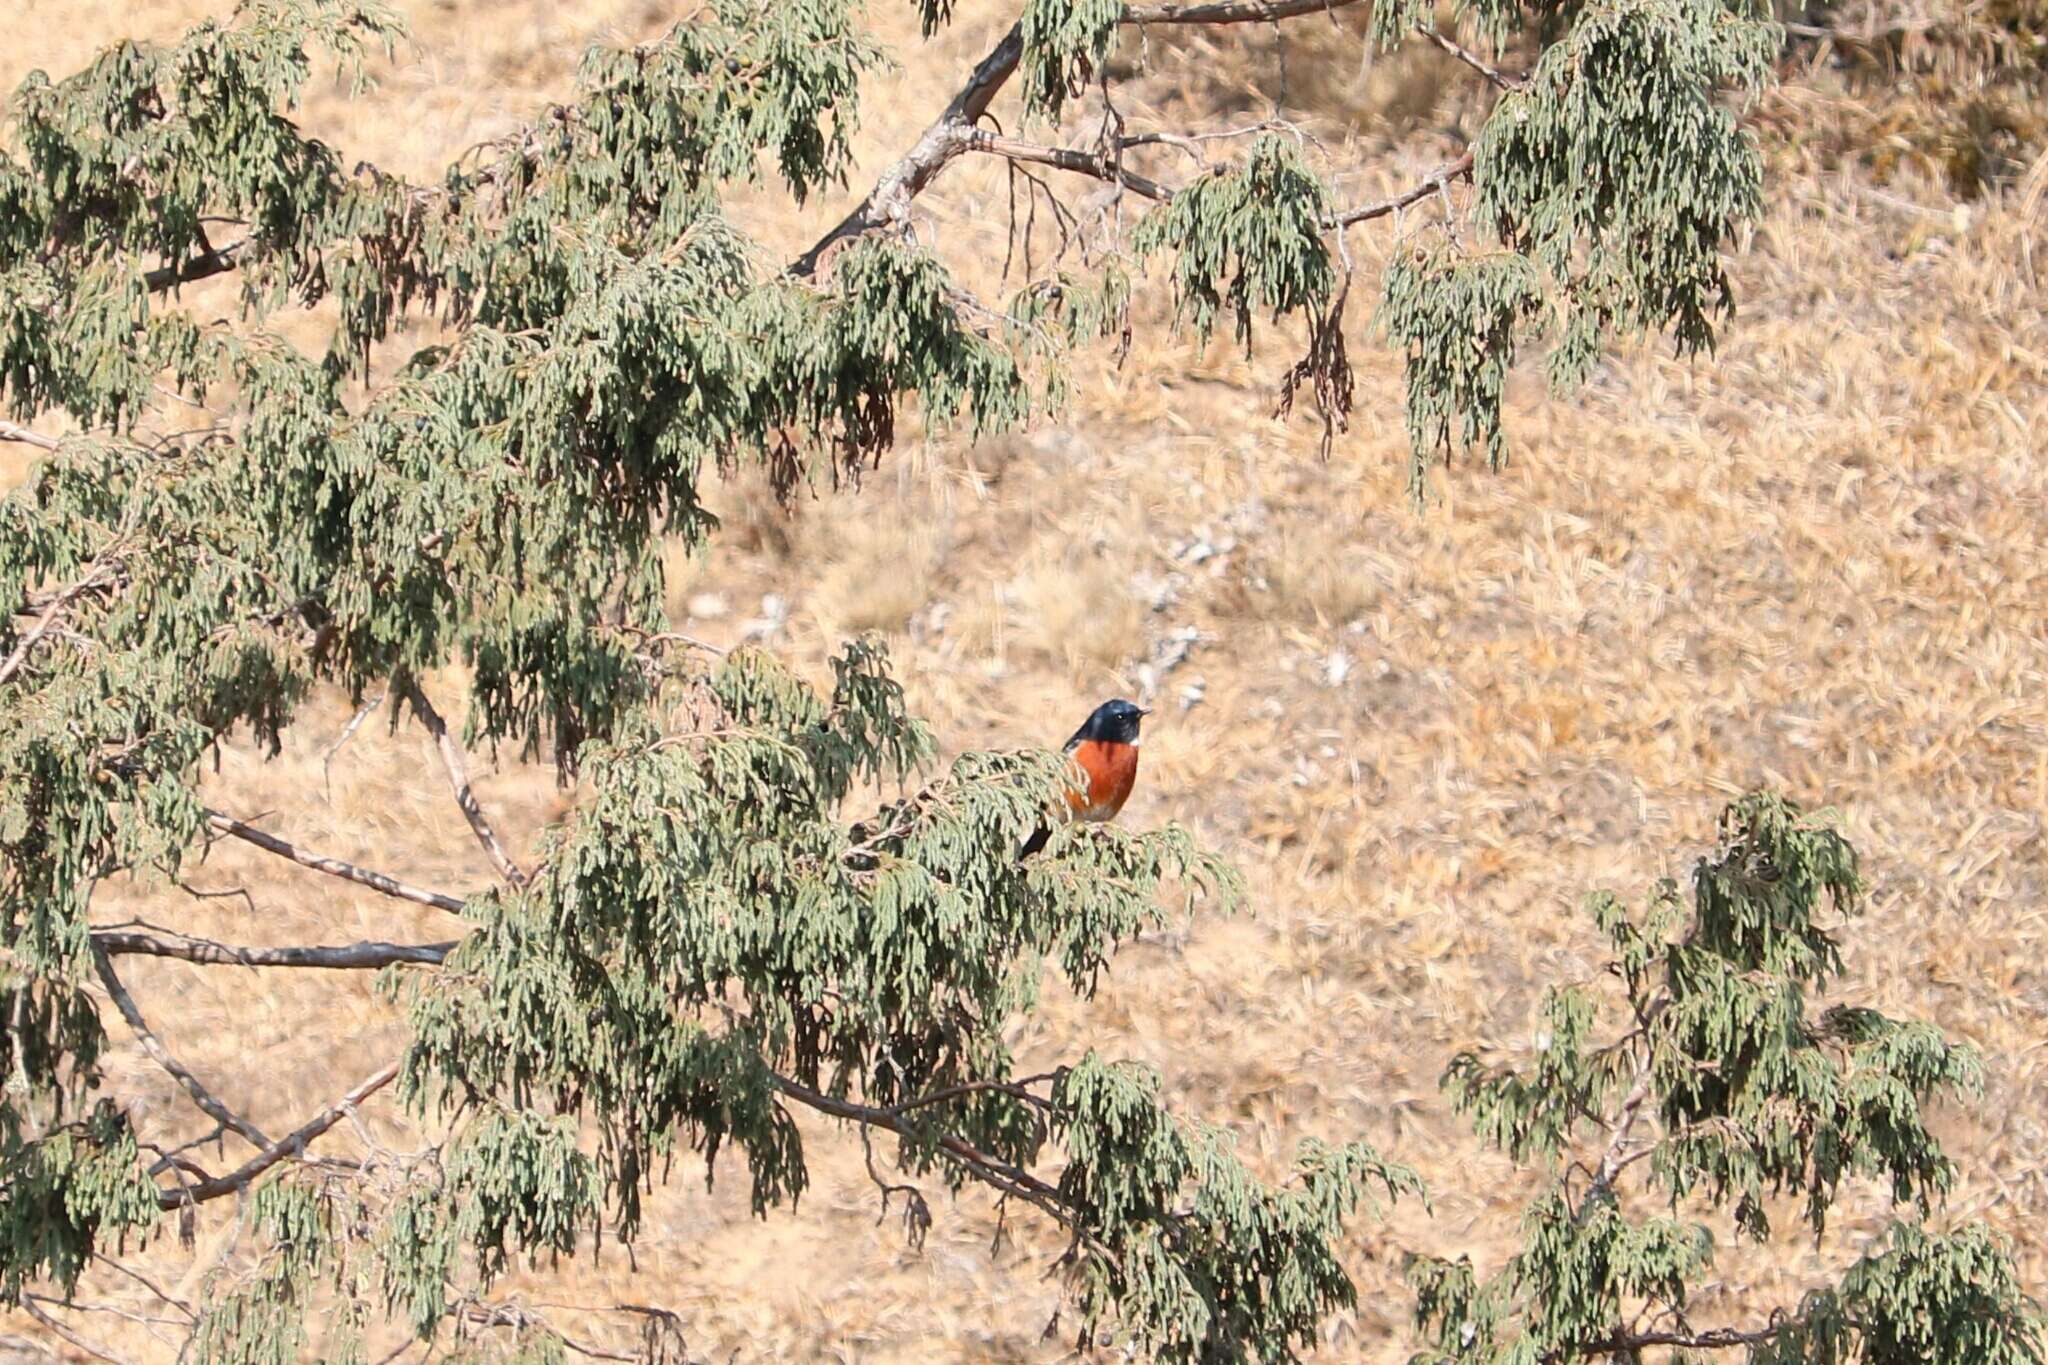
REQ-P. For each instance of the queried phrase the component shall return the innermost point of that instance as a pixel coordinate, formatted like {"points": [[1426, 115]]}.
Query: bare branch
{"points": [[10, 432], [1470, 58], [348, 732], [1435, 181], [1625, 1344], [458, 777], [1236, 12], [1067, 159], [51, 612], [207, 953], [293, 1144], [201, 1096], [998, 1175], [889, 201], [97, 1352], [333, 867]]}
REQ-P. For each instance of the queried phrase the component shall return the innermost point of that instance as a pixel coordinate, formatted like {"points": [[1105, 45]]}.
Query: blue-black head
{"points": [[1114, 722]]}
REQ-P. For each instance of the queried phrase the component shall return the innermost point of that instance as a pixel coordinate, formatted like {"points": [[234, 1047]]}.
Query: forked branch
{"points": [[291, 1145]]}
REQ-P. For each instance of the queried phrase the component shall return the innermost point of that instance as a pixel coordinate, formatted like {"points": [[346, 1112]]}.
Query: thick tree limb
{"points": [[888, 203], [218, 261], [158, 1053], [11, 432], [458, 777], [292, 1144], [333, 867], [366, 955]]}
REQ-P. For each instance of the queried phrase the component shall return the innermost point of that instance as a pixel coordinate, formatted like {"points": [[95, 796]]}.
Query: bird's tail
{"points": [[1034, 843]]}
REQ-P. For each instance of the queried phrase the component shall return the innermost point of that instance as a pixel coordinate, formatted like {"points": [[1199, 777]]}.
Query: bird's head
{"points": [[1115, 722]]}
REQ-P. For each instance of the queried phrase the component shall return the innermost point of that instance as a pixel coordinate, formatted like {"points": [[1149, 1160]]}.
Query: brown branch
{"points": [[98, 1352], [458, 777], [1627, 1343], [293, 1144], [888, 203], [207, 264], [998, 1175], [207, 953], [1067, 159], [201, 1096], [333, 867]]}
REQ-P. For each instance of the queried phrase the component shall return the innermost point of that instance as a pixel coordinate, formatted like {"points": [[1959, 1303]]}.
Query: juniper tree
{"points": [[1719, 1091], [729, 926]]}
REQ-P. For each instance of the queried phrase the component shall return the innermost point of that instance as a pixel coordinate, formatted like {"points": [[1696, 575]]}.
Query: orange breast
{"points": [[1112, 770]]}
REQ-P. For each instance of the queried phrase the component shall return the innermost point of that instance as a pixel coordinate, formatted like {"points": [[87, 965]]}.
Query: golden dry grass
{"points": [[1814, 562]]}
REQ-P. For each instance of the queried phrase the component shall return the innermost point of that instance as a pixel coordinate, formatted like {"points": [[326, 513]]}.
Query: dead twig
{"points": [[333, 867], [208, 1103], [458, 777]]}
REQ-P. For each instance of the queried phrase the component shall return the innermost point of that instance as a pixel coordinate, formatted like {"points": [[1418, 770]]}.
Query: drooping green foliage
{"points": [[1456, 318], [1065, 42], [1618, 169], [1249, 238], [1736, 1093], [767, 896]]}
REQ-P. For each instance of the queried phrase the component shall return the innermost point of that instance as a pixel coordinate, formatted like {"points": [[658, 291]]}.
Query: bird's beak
{"points": [[1144, 711]]}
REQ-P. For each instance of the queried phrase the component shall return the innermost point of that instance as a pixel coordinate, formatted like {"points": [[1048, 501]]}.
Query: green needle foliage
{"points": [[1724, 1090], [769, 898]]}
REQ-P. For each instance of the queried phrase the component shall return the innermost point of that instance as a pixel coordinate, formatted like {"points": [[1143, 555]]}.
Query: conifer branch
{"points": [[458, 777], [292, 1144], [366, 955], [333, 867], [208, 1103]]}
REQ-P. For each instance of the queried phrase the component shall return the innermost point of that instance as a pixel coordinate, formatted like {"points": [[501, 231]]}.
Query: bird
{"points": [[1106, 748]]}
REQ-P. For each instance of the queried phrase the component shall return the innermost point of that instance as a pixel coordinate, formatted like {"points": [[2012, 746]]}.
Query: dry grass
{"points": [[1814, 563]]}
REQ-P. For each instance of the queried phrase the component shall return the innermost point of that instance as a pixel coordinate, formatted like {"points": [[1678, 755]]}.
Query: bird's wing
{"points": [[1075, 741]]}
